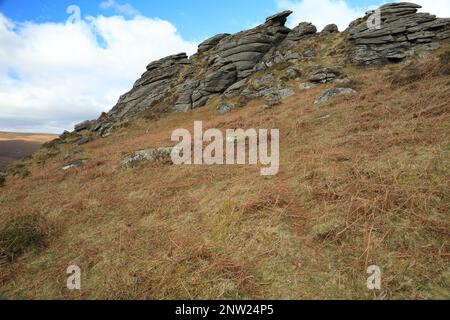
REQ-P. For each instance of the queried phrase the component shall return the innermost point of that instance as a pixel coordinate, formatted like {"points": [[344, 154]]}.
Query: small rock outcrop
{"points": [[331, 28], [330, 93], [225, 107], [400, 32], [158, 155], [73, 164], [324, 75]]}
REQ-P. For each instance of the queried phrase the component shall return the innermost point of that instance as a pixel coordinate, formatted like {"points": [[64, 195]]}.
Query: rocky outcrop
{"points": [[227, 61], [234, 58], [400, 32], [330, 93], [225, 64], [73, 164], [324, 75], [284, 53], [158, 155]]}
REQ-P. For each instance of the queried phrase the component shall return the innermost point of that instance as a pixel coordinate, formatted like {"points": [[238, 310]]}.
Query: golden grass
{"points": [[364, 180]]}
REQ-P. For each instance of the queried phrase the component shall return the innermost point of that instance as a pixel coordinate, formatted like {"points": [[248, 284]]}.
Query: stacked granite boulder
{"points": [[400, 32], [232, 59]]}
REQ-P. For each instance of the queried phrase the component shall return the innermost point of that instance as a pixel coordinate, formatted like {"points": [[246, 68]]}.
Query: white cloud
{"points": [[53, 75], [440, 8], [125, 9], [321, 12]]}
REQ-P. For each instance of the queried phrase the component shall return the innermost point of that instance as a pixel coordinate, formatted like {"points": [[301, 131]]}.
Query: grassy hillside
{"points": [[364, 179]]}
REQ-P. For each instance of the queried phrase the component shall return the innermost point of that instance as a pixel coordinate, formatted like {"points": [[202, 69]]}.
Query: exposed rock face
{"points": [[402, 32]]}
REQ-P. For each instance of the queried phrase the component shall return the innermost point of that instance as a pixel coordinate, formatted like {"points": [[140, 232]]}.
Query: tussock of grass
{"points": [[22, 235]]}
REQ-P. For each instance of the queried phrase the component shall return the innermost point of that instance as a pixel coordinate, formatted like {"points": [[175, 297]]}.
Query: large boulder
{"points": [[85, 125], [402, 32], [302, 31], [331, 28]]}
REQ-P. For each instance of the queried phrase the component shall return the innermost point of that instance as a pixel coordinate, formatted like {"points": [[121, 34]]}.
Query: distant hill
{"points": [[15, 146]]}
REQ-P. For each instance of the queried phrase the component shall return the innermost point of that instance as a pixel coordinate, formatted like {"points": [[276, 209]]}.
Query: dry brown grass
{"points": [[363, 180]]}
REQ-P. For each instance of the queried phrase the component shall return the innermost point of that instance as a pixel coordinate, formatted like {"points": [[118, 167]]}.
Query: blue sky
{"points": [[194, 19], [55, 73]]}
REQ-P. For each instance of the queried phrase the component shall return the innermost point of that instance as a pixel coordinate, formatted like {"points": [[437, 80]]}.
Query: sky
{"points": [[65, 61]]}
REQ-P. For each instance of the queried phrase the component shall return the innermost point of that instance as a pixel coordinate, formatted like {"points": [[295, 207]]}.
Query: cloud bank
{"points": [[53, 75]]}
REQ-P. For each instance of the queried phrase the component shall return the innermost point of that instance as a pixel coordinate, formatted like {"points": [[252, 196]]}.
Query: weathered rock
{"points": [[324, 75], [158, 155], [211, 42], [64, 135], [330, 93], [85, 125], [225, 107], [156, 83], [401, 34], [234, 90], [71, 155], [307, 85], [178, 84], [83, 140], [73, 164], [184, 102], [292, 73], [302, 31], [331, 28]]}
